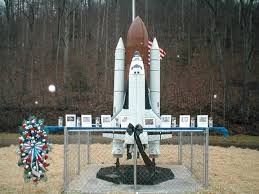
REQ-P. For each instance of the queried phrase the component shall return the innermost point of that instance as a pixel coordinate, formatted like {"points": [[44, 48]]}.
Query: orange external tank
{"points": [[137, 40]]}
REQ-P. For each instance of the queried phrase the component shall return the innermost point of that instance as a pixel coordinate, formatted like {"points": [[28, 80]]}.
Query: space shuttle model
{"points": [[136, 97]]}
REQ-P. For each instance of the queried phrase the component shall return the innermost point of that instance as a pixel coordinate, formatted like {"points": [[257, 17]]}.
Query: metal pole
{"points": [[180, 149], [78, 153], [206, 158], [204, 142], [88, 147], [191, 154], [211, 105], [133, 10], [65, 160], [135, 166]]}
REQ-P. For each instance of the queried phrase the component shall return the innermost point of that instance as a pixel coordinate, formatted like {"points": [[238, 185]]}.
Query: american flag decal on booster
{"points": [[162, 52]]}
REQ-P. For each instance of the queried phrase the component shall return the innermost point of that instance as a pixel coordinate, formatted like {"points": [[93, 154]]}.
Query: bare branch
{"points": [[213, 9]]}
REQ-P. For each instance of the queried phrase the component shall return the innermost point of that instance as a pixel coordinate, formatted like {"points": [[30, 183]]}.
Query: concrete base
{"points": [[87, 182], [125, 174]]}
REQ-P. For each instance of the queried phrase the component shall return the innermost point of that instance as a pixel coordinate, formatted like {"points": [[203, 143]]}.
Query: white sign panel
{"points": [[184, 121], [166, 121], [70, 120], [86, 120], [202, 121], [124, 121], [149, 123], [106, 120]]}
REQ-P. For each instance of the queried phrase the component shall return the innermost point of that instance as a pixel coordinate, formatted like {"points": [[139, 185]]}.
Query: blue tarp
{"points": [[222, 130]]}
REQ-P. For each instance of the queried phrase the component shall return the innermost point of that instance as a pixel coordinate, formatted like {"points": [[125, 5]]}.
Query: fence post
{"points": [[191, 154], [135, 165], [65, 160], [180, 149], [78, 153], [88, 147], [206, 157]]}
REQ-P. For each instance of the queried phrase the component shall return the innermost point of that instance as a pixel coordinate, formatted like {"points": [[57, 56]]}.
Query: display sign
{"points": [[192, 121], [184, 121], [173, 121], [124, 121], [166, 121], [97, 121], [202, 120], [78, 121], [86, 120], [70, 120], [60, 121], [106, 120], [149, 123], [210, 122]]}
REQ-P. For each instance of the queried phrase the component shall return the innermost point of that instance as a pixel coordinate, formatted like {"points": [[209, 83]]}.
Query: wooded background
{"points": [[212, 49]]}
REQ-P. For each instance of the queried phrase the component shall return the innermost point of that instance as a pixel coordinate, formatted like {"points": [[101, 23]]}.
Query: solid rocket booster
{"points": [[155, 77], [119, 68]]}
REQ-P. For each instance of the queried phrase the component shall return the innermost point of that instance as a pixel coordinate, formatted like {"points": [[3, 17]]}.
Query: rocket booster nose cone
{"points": [[120, 44], [155, 44]]}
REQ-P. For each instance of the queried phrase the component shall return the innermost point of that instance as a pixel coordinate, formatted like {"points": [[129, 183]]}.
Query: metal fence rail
{"points": [[86, 151]]}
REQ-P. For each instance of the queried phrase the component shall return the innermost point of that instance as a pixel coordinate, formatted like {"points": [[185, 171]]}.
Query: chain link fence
{"points": [[183, 152]]}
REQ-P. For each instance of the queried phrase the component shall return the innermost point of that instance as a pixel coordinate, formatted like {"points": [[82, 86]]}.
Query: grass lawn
{"points": [[243, 141]]}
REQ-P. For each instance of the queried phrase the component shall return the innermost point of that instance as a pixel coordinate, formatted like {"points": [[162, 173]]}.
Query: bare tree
{"points": [[249, 48], [66, 41]]}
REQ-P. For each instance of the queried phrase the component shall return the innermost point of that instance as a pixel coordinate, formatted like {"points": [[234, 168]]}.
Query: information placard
{"points": [[166, 121], [184, 121], [202, 121], [86, 120], [106, 120], [149, 123], [70, 120]]}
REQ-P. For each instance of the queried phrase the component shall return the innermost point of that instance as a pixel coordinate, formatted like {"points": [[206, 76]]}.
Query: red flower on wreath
{"points": [[45, 147], [28, 160]]}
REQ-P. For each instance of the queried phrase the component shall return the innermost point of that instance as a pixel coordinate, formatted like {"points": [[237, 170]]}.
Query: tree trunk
{"points": [[117, 20], [189, 45], [98, 29], [66, 48], [182, 19], [106, 70], [146, 12], [73, 24], [246, 23]]}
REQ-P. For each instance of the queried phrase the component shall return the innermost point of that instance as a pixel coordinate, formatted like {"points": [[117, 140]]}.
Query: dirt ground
{"points": [[231, 170]]}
